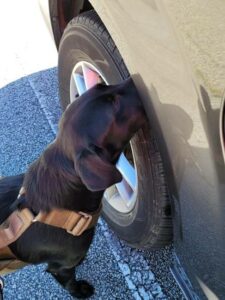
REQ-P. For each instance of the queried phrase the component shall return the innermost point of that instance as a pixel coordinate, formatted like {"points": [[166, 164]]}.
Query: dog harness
{"points": [[19, 221]]}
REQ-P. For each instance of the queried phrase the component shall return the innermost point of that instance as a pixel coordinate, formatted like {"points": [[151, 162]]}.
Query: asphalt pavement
{"points": [[29, 114]]}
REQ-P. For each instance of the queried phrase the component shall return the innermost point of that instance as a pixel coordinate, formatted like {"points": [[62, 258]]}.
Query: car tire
{"points": [[149, 223]]}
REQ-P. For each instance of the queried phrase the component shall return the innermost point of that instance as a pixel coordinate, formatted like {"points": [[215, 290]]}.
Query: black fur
{"points": [[73, 173]]}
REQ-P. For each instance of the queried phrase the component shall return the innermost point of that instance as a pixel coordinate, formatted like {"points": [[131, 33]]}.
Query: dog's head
{"points": [[95, 129]]}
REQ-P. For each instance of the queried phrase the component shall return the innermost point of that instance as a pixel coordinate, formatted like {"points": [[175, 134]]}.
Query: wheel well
{"points": [[62, 11]]}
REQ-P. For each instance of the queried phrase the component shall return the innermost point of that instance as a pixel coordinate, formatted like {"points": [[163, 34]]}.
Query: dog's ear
{"points": [[95, 173]]}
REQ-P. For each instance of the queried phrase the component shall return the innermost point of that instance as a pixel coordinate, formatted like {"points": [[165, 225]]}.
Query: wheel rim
{"points": [[121, 196]]}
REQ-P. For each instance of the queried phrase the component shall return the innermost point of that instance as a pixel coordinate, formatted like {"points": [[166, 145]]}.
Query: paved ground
{"points": [[29, 112]]}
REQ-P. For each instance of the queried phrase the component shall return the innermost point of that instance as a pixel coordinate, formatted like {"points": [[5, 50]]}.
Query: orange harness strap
{"points": [[14, 226], [73, 222], [9, 262], [19, 221]]}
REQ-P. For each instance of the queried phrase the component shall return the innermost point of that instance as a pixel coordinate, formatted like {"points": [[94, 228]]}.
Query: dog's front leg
{"points": [[66, 277]]}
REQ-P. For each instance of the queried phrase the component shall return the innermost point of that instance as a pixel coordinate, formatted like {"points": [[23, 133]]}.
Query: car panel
{"points": [[44, 8], [175, 50]]}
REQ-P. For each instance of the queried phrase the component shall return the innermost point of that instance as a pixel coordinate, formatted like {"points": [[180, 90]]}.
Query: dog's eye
{"points": [[98, 150], [110, 98], [95, 149]]}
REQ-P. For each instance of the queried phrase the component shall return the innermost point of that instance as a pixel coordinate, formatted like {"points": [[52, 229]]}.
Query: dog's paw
{"points": [[83, 290]]}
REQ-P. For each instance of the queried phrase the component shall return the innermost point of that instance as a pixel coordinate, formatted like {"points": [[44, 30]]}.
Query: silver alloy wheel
{"points": [[122, 196]]}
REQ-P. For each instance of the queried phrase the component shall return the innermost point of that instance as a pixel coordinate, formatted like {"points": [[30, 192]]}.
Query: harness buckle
{"points": [[81, 224]]}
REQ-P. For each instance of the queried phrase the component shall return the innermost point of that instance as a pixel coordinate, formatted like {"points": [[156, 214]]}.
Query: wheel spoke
{"points": [[91, 77], [127, 170], [80, 84], [125, 191]]}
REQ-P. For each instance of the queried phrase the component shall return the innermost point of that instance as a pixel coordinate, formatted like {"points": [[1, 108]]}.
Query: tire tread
{"points": [[92, 21]]}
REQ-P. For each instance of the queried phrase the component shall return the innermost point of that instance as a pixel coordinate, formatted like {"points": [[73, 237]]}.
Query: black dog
{"points": [[72, 173]]}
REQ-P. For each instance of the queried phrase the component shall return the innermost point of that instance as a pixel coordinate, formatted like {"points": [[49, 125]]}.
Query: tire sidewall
{"points": [[77, 45]]}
